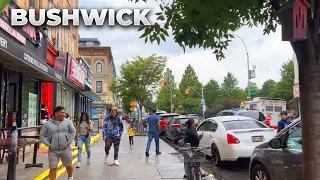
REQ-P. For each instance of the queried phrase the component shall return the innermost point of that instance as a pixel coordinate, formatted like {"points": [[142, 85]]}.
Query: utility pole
{"points": [[171, 99], [249, 73], [203, 102]]}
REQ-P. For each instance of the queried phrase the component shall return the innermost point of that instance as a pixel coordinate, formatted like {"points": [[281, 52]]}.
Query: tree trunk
{"points": [[309, 73]]}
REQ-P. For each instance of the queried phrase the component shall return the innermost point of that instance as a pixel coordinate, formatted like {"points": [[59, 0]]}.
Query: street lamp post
{"points": [[203, 102], [249, 94]]}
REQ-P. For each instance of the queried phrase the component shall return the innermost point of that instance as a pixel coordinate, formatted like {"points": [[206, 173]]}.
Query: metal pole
{"points": [[171, 98], [249, 94], [13, 153], [204, 104]]}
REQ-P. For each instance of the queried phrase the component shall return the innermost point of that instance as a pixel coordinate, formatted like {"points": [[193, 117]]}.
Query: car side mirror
{"points": [[275, 143]]}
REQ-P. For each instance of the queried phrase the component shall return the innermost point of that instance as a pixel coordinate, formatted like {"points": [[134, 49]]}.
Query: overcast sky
{"points": [[266, 52]]}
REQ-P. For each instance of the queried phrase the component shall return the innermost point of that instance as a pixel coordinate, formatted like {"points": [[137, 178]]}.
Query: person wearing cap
{"points": [[112, 132], [284, 121]]}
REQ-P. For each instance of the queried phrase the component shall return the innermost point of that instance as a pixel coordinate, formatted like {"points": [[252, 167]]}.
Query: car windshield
{"points": [[183, 121], [242, 124], [253, 114]]}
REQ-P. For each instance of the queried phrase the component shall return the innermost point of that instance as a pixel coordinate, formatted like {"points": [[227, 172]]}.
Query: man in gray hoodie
{"points": [[58, 133]]}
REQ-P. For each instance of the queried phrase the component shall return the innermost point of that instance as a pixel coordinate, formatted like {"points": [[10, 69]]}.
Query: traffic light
{"points": [[163, 82], [187, 91]]}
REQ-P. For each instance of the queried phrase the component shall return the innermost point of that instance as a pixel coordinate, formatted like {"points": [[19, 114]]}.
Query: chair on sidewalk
{"points": [[5, 135]]}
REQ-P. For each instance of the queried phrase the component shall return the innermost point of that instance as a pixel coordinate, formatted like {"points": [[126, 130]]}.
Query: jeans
{"points": [[86, 141], [152, 135]]}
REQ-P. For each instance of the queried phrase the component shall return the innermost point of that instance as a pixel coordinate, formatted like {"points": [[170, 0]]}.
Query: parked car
{"points": [[232, 137], [255, 114], [176, 127], [281, 157], [164, 119]]}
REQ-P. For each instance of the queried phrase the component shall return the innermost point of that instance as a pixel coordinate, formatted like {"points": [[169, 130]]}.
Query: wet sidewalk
{"points": [[133, 163]]}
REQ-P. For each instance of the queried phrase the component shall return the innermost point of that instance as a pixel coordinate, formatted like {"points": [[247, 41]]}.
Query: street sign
{"points": [[203, 102]]}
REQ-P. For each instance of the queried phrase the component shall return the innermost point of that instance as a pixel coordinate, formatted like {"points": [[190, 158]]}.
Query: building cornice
{"points": [[94, 51]]}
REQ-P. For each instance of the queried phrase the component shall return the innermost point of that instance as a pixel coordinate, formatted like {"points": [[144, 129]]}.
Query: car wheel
{"points": [[259, 172], [215, 156]]}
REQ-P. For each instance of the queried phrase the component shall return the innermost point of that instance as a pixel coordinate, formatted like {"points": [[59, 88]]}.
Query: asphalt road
{"points": [[229, 171]]}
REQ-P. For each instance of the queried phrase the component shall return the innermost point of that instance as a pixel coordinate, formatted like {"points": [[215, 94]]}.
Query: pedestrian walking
{"points": [[131, 134], [192, 137], [58, 134], [112, 132], [44, 114], [153, 122], [145, 126], [284, 122], [83, 129]]}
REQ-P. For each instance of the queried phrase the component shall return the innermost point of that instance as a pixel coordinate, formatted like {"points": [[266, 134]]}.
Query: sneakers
{"points": [[79, 165], [70, 178], [106, 159], [116, 162], [147, 154], [88, 161], [158, 153]]}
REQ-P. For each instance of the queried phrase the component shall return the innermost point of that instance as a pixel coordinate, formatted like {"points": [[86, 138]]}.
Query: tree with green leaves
{"points": [[139, 77], [284, 88], [211, 24], [268, 88], [189, 103], [167, 92], [212, 93], [230, 87]]}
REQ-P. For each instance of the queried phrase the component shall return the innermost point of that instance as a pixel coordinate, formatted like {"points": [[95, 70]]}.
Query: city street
{"points": [[230, 171], [133, 163]]}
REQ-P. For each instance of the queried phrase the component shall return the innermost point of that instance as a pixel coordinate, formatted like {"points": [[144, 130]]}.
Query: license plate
{"points": [[257, 138]]}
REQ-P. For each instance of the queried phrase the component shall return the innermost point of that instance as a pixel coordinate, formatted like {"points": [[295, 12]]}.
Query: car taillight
{"points": [[177, 125], [232, 140]]}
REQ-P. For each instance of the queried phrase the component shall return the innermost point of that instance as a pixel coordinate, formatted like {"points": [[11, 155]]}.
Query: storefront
{"points": [[73, 84], [23, 69]]}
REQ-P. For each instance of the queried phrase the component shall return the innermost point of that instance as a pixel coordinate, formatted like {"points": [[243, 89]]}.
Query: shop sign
{"points": [[10, 30], [28, 30], [3, 43], [76, 73], [60, 63], [35, 62], [86, 68]]}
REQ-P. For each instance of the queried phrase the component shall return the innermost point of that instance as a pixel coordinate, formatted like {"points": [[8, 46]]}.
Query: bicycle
{"points": [[192, 157]]}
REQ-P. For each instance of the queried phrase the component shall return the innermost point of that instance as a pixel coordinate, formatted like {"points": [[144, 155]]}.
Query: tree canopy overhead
{"points": [[209, 23]]}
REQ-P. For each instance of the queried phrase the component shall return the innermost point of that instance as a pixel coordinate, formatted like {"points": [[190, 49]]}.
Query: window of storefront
{"points": [[13, 96], [99, 87], [59, 94], [69, 98], [30, 103]]}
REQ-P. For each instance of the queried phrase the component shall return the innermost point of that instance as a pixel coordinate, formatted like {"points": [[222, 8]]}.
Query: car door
{"points": [[205, 138], [211, 128], [288, 160]]}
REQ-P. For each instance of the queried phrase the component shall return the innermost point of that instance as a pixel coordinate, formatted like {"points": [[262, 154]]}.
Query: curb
{"points": [[61, 168]]}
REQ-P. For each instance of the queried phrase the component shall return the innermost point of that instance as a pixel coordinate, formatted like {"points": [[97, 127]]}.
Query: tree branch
{"points": [[275, 4]]}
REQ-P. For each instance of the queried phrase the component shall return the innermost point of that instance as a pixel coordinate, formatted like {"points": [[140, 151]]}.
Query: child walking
{"points": [[131, 134]]}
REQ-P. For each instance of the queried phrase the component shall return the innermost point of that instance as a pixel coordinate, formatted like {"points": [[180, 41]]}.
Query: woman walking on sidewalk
{"points": [[83, 129], [112, 132], [131, 134]]}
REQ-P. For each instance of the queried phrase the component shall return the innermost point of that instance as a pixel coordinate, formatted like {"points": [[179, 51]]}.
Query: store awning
{"points": [[21, 58], [90, 94]]}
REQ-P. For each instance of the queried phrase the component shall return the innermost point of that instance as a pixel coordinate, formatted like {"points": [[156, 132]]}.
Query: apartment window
{"points": [[89, 43], [99, 87], [32, 4], [67, 39], [59, 38], [99, 68]]}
